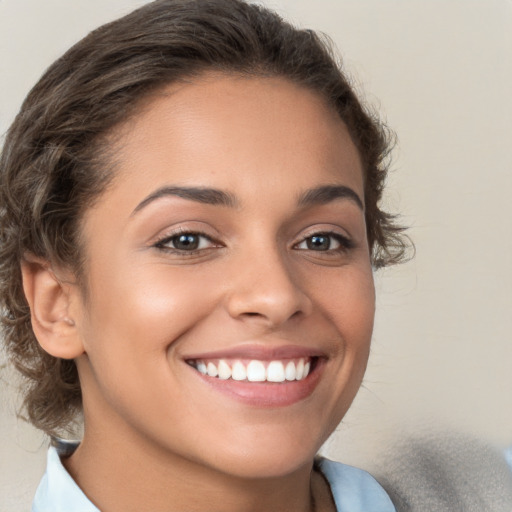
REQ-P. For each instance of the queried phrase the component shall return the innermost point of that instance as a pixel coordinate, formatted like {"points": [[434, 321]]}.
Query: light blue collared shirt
{"points": [[354, 490]]}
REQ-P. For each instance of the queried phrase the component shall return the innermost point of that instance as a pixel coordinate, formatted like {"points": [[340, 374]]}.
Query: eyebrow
{"points": [[327, 193], [203, 195], [316, 196]]}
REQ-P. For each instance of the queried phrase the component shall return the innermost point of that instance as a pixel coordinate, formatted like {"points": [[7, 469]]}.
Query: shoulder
{"points": [[353, 489]]}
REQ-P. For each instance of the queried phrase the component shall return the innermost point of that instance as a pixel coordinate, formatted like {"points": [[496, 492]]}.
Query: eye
{"points": [[185, 242], [323, 242]]}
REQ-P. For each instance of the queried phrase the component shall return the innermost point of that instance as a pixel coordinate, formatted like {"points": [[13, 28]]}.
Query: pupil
{"points": [[186, 242], [319, 243]]}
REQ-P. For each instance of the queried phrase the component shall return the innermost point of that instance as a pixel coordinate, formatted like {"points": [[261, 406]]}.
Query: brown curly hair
{"points": [[54, 161]]}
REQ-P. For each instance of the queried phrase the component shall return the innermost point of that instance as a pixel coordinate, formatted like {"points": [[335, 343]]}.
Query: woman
{"points": [[189, 225]]}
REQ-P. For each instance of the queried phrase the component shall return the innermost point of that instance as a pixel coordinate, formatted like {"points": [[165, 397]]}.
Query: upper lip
{"points": [[259, 352]]}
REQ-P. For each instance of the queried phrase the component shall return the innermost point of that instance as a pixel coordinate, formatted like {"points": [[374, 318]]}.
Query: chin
{"points": [[268, 460]]}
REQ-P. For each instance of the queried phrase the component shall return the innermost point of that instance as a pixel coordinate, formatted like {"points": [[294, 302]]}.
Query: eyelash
{"points": [[345, 244]]}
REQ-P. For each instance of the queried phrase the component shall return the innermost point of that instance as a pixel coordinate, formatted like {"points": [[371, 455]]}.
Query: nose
{"points": [[266, 290]]}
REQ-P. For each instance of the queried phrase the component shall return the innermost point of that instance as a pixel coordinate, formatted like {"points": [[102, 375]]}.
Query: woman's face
{"points": [[229, 254]]}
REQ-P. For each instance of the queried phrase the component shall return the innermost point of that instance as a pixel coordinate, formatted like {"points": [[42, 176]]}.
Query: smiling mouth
{"points": [[254, 370], [261, 377]]}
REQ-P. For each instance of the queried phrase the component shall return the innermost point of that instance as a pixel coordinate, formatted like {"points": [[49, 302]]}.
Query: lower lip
{"points": [[267, 394]]}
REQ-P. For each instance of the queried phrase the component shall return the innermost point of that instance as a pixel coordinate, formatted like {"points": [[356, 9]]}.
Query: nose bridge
{"points": [[265, 287]]}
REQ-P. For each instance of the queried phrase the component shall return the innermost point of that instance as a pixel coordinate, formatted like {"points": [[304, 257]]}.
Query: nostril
{"points": [[272, 305]]}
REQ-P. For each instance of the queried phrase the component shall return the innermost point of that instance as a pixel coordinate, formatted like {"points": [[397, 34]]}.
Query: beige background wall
{"points": [[441, 73]]}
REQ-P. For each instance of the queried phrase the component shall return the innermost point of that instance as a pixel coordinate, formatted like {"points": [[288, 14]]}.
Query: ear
{"points": [[51, 300]]}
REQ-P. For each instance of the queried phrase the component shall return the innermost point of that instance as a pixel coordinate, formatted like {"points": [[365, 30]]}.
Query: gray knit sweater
{"points": [[448, 473]]}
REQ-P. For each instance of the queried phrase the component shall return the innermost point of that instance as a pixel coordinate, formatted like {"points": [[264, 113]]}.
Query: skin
{"points": [[160, 437]]}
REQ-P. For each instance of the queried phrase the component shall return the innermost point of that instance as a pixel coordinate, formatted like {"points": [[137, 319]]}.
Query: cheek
{"points": [[130, 325], [348, 301], [347, 298], [355, 319], [148, 309]]}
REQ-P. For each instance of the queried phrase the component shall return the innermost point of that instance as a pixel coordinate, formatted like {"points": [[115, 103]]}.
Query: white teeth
{"points": [[224, 370], [300, 370], [290, 372], [256, 372], [275, 372], [238, 372], [212, 370]]}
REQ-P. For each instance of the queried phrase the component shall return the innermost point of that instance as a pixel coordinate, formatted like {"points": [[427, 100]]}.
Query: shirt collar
{"points": [[58, 492], [353, 489], [508, 456]]}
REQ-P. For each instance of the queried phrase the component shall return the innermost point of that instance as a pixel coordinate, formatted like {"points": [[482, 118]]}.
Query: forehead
{"points": [[236, 132]]}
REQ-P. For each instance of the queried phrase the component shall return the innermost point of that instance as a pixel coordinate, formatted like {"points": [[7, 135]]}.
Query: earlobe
{"points": [[51, 300]]}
